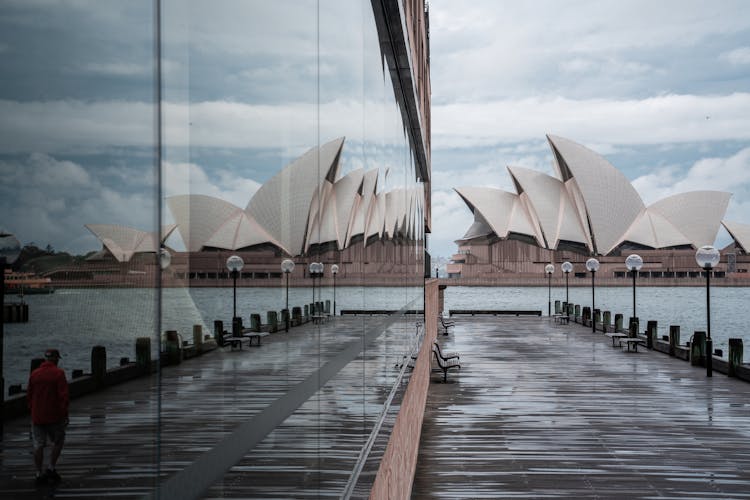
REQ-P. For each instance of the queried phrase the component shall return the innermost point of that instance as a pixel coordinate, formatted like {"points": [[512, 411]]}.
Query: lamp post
{"points": [[437, 275], [634, 262], [707, 257], [593, 266], [334, 271], [549, 269], [10, 249], [165, 258], [566, 268], [235, 265], [287, 265]]}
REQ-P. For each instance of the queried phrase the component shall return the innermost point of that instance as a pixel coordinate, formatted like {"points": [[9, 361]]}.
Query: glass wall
{"points": [[142, 145]]}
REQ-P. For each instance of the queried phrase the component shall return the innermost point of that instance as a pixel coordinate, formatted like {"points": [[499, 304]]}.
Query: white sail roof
{"points": [[611, 204], [282, 205], [740, 233], [696, 214], [123, 242]]}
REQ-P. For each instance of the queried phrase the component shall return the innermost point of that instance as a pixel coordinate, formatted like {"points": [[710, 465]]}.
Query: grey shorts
{"points": [[54, 432]]}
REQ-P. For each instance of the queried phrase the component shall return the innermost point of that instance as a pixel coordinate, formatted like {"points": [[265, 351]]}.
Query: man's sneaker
{"points": [[41, 479], [53, 476]]}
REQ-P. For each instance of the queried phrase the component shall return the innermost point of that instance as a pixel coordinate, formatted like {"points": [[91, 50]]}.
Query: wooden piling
{"points": [[255, 322], [273, 321], [143, 353], [651, 333], [633, 326], [198, 335], [674, 339], [698, 349], [618, 322], [558, 309], [735, 356], [173, 347], [296, 315], [98, 363]]}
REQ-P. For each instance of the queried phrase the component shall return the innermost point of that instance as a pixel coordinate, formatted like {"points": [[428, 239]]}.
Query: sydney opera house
{"points": [[590, 208], [308, 211]]}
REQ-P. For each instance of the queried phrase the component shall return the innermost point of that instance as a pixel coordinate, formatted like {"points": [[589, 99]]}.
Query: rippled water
{"points": [[684, 306], [74, 320]]}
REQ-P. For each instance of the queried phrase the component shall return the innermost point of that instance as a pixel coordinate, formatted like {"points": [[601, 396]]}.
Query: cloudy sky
{"points": [[661, 89]]}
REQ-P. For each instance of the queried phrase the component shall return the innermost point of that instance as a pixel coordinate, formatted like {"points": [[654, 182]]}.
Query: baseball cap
{"points": [[52, 353]]}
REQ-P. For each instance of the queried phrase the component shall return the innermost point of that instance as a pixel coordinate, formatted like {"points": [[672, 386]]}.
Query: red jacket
{"points": [[47, 394]]}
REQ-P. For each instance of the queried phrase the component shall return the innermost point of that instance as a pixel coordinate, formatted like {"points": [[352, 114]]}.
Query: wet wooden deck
{"points": [[261, 404], [554, 411]]}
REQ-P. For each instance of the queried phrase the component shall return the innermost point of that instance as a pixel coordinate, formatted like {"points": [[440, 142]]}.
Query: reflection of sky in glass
{"points": [[247, 88]]}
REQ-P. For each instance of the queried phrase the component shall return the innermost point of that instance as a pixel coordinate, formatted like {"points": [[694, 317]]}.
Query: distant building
{"points": [[590, 208]]}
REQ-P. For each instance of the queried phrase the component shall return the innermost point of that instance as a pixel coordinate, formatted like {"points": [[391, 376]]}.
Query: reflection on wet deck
{"points": [[554, 411], [111, 447]]}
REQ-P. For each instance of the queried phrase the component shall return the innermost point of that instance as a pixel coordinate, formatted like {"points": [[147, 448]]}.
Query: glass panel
{"points": [[79, 185]]}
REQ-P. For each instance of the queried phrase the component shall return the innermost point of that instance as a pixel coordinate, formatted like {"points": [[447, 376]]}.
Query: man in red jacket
{"points": [[47, 396]]}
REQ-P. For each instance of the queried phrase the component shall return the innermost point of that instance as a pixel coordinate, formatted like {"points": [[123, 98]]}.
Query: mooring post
{"points": [[651, 329], [698, 349], [674, 339], [735, 356], [143, 354]]}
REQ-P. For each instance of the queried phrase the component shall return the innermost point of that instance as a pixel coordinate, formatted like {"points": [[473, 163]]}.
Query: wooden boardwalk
{"points": [[554, 411], [248, 423]]}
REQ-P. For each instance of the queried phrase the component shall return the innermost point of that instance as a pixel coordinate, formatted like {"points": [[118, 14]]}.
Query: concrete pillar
{"points": [[735, 356], [273, 321], [296, 315], [143, 353], [173, 347], [255, 322], [98, 363], [198, 335], [618, 322], [558, 309], [698, 349], [633, 326], [651, 333], [674, 339]]}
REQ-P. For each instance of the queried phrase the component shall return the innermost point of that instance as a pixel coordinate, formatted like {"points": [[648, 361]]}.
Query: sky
{"points": [[660, 89]]}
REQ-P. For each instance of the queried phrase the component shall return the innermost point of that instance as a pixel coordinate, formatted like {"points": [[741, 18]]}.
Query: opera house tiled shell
{"points": [[592, 207]]}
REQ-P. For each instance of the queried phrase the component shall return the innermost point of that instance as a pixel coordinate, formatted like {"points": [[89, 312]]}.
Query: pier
{"points": [[538, 409]]}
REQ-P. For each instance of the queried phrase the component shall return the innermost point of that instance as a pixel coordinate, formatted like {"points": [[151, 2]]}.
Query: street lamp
{"points": [[593, 266], [235, 264], [334, 271], [634, 262], [566, 268], [707, 257], [287, 265], [10, 249], [165, 258], [549, 269]]}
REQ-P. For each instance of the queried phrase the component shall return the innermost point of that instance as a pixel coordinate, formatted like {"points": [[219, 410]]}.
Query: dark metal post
{"points": [[334, 294], [287, 301], [2, 343], [634, 273], [234, 294], [549, 294], [709, 342], [567, 299], [593, 302]]}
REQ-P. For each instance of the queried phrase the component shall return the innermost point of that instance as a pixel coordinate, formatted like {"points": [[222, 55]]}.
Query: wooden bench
{"points": [[250, 335], [634, 341], [615, 336], [445, 324], [444, 364], [445, 355], [562, 318]]}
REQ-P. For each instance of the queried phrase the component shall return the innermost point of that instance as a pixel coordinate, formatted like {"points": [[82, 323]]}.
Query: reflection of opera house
{"points": [[591, 208], [307, 211]]}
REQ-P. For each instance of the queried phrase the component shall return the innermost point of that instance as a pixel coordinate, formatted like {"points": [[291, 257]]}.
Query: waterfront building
{"points": [[590, 208], [266, 130]]}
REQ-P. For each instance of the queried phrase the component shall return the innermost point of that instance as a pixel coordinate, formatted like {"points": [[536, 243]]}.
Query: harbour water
{"points": [[74, 320]]}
